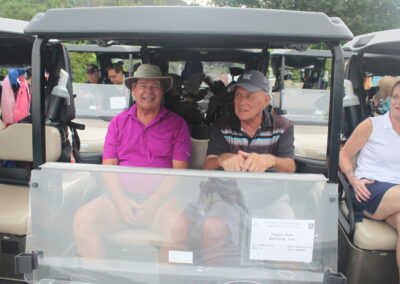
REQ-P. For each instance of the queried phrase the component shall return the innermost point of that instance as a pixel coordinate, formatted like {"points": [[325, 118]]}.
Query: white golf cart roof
{"points": [[220, 26], [383, 42], [12, 26]]}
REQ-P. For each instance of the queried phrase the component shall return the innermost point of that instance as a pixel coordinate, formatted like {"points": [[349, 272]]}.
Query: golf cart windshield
{"points": [[100, 100], [306, 105], [289, 236]]}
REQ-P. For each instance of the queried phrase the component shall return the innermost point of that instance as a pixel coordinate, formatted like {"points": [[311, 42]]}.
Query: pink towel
{"points": [[23, 101], [7, 102]]}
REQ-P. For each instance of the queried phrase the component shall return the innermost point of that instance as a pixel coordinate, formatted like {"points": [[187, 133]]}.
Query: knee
{"points": [[396, 221], [214, 228], [84, 220], [180, 230]]}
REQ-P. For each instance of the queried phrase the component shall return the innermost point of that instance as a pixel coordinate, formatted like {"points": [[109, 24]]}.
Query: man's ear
{"points": [[267, 99]]}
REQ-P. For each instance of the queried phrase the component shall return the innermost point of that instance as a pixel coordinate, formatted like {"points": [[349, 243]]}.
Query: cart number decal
{"points": [[282, 240]]}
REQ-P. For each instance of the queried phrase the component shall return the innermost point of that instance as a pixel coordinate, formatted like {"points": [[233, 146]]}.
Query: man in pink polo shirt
{"points": [[146, 135]]}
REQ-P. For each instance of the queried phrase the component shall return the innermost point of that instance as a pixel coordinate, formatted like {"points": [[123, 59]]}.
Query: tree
{"points": [[26, 9], [361, 16]]}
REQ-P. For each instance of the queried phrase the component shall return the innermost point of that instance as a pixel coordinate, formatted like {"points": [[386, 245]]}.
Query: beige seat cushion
{"points": [[277, 98], [93, 137], [199, 151], [14, 202], [137, 237], [373, 235], [16, 143], [310, 141]]}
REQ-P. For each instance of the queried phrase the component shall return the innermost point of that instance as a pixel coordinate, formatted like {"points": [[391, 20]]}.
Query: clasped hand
{"points": [[136, 213], [246, 162]]}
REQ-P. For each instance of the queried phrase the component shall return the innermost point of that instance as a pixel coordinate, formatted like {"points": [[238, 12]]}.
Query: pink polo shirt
{"points": [[164, 139]]}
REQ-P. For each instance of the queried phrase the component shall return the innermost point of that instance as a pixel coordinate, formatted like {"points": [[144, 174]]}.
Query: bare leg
{"points": [[172, 225], [166, 217], [92, 222], [215, 232], [180, 230], [394, 221]]}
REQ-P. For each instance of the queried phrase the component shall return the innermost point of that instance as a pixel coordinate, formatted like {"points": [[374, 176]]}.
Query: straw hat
{"points": [[148, 71], [385, 85]]}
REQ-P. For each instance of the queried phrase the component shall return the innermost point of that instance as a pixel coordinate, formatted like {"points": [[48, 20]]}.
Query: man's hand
{"points": [[257, 162], [126, 208], [145, 214], [231, 162]]}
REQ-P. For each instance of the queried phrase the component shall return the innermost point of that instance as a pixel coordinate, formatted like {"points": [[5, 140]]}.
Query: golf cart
{"points": [[297, 246], [367, 249], [15, 52], [301, 94]]}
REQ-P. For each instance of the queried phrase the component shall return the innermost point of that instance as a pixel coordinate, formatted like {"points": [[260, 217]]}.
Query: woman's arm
{"points": [[355, 143]]}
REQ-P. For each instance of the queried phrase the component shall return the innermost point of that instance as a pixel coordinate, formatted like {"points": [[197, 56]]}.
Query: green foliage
{"points": [[361, 16], [78, 62], [26, 9]]}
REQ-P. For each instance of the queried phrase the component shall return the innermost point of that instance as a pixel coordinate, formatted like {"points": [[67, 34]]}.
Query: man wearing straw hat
{"points": [[146, 135], [142, 135]]}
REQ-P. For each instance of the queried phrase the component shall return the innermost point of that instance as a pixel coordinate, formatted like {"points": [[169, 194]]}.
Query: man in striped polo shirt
{"points": [[254, 140]]}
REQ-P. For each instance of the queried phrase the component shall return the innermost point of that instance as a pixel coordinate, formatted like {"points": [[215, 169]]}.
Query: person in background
{"points": [[116, 74], [93, 75]]}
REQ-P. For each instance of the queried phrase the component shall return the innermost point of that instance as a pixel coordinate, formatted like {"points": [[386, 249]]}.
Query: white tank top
{"points": [[379, 159]]}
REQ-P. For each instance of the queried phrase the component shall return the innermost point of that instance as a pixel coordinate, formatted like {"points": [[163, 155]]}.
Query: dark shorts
{"points": [[377, 190]]}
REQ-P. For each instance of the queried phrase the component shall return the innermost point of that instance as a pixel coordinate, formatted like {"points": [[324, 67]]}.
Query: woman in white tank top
{"points": [[376, 180]]}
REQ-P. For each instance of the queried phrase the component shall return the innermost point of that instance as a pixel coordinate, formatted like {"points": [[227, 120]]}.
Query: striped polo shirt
{"points": [[275, 136]]}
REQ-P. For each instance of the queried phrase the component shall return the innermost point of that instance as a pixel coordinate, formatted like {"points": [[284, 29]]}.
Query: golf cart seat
{"points": [[310, 144], [134, 237], [310, 141], [200, 135], [92, 138], [372, 234], [14, 193], [199, 151]]}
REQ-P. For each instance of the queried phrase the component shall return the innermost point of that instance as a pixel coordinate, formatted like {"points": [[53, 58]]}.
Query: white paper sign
{"points": [[282, 240], [180, 256], [117, 102]]}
